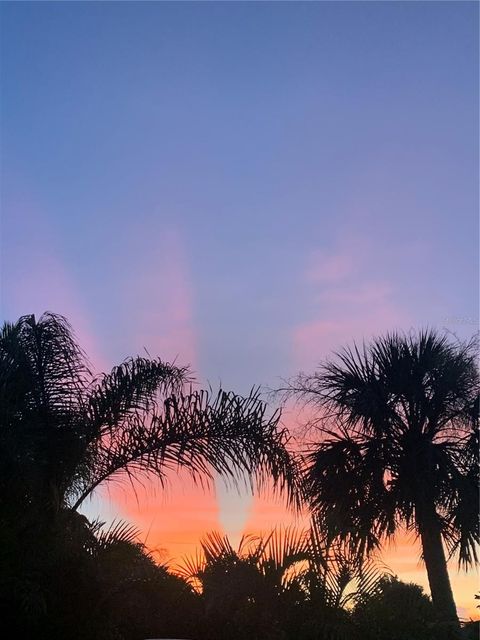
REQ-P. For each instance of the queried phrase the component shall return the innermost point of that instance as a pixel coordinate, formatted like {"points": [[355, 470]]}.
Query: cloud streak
{"points": [[347, 300], [35, 278]]}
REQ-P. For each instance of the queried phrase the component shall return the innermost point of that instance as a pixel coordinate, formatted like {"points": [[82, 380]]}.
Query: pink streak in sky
{"points": [[164, 312], [178, 515], [38, 281], [350, 301]]}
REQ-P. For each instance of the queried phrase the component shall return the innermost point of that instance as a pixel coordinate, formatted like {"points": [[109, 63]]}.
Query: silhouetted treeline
{"points": [[396, 445]]}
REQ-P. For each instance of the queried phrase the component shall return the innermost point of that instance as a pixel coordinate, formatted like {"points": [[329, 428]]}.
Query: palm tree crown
{"points": [[399, 448], [63, 432]]}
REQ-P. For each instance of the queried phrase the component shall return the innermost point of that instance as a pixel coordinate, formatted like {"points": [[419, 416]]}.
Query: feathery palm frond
{"points": [[118, 531], [63, 432], [284, 552], [229, 435]]}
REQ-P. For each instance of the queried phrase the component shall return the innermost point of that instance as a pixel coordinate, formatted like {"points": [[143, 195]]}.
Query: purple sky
{"points": [[244, 186]]}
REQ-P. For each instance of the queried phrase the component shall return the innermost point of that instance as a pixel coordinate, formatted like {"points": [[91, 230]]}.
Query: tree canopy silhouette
{"points": [[65, 432], [396, 610], [398, 420], [286, 584]]}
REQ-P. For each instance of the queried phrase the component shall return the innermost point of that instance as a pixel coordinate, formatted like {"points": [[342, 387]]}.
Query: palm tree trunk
{"points": [[439, 581]]}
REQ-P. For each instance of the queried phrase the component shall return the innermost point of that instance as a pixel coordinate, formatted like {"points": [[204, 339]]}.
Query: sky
{"points": [[243, 187]]}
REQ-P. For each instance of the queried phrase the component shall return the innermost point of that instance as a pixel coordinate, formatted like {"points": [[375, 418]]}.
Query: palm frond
{"points": [[228, 434], [135, 386], [396, 420], [43, 377], [119, 531]]}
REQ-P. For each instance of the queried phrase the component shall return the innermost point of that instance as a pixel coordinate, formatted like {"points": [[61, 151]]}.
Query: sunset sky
{"points": [[243, 187]]}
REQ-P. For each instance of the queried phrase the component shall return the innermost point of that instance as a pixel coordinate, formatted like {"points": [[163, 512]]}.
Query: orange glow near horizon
{"points": [[402, 555], [172, 525], [173, 520]]}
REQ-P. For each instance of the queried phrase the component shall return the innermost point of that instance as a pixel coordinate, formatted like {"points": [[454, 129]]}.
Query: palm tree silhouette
{"points": [[399, 444], [287, 583], [64, 432]]}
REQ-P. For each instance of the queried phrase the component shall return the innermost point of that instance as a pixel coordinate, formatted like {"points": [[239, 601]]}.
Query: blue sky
{"points": [[243, 186], [259, 136]]}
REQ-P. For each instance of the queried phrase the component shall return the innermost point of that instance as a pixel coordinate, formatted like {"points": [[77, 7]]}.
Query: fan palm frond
{"points": [[397, 448]]}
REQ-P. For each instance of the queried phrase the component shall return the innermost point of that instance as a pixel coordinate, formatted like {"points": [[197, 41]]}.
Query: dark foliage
{"points": [[398, 448], [282, 586], [397, 611], [400, 441], [65, 432]]}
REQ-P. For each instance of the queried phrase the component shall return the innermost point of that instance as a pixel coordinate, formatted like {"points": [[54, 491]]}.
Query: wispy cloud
{"points": [[162, 290], [158, 287], [35, 279], [347, 299]]}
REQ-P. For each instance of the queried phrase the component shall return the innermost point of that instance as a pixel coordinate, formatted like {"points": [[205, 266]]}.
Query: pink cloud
{"points": [[164, 310], [159, 294], [38, 281], [329, 269], [350, 301]]}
